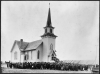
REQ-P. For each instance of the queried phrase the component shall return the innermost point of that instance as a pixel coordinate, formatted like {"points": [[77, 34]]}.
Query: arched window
{"points": [[51, 47], [15, 55], [38, 53]]}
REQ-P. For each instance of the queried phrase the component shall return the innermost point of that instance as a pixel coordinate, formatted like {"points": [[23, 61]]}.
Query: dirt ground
{"points": [[8, 70]]}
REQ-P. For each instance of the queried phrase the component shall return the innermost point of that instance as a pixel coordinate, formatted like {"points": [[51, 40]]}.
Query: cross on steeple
{"points": [[49, 5]]}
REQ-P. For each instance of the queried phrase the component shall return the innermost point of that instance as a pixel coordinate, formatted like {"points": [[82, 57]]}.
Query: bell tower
{"points": [[48, 39]]}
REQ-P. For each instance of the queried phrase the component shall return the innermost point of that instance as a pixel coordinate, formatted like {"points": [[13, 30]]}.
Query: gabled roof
{"points": [[24, 46], [21, 46], [33, 45]]}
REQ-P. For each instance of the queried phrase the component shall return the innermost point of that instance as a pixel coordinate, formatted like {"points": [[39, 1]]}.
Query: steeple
{"points": [[48, 28], [49, 18]]}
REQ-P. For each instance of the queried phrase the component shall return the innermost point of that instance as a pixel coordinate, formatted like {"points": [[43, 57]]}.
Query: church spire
{"points": [[49, 18], [49, 28]]}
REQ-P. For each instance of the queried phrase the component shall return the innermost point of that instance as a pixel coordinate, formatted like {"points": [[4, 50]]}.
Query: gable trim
{"points": [[15, 42], [13, 46]]}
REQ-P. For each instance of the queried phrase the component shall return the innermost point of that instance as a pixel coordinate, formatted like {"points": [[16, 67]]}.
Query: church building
{"points": [[37, 51]]}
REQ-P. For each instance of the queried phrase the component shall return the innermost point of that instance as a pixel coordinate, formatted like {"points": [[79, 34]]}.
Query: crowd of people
{"points": [[49, 65]]}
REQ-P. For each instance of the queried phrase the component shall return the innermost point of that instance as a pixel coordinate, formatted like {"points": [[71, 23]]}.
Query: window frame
{"points": [[45, 30], [50, 30], [38, 54], [15, 55]]}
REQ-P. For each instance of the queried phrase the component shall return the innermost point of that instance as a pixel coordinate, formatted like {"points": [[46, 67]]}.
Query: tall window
{"points": [[45, 30], [15, 55], [27, 55], [25, 58], [50, 30], [31, 54], [38, 53]]}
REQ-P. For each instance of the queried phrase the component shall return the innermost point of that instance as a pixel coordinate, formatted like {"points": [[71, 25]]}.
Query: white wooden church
{"points": [[37, 51]]}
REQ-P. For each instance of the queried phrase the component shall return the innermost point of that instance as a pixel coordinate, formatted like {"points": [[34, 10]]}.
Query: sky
{"points": [[76, 25]]}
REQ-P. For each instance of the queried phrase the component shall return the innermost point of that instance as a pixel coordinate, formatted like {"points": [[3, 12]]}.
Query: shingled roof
{"points": [[24, 46], [33, 45]]}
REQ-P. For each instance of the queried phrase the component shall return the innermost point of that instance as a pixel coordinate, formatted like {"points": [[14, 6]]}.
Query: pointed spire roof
{"points": [[49, 19], [49, 24]]}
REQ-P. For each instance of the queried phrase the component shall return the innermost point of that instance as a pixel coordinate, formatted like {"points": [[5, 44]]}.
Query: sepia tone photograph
{"points": [[50, 37]]}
